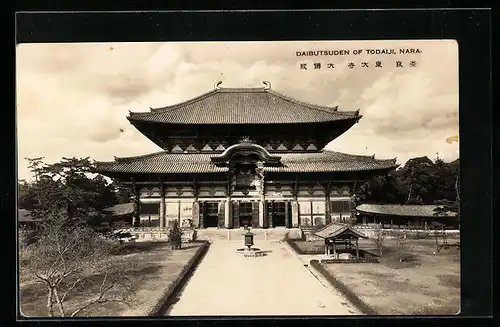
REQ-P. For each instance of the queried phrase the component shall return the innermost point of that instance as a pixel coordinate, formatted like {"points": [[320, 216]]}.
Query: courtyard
{"points": [[423, 284], [228, 284], [152, 265]]}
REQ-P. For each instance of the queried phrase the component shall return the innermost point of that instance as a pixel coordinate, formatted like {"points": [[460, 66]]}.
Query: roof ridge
{"points": [[364, 156], [149, 155], [177, 105], [327, 109], [142, 156], [241, 89]]}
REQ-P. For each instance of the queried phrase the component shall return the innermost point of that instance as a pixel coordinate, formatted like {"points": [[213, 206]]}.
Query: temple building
{"points": [[244, 156]]}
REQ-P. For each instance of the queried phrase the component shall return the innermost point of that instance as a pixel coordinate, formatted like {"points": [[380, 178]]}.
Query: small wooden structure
{"points": [[336, 234], [27, 221]]}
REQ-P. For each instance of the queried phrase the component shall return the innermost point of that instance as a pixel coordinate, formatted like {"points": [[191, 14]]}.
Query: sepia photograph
{"points": [[269, 178]]}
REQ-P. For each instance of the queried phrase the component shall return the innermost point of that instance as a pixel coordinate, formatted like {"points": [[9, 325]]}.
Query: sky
{"points": [[72, 99]]}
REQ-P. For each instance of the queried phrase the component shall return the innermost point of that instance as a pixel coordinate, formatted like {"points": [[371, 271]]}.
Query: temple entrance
{"points": [[210, 214], [278, 213], [246, 210], [245, 213]]}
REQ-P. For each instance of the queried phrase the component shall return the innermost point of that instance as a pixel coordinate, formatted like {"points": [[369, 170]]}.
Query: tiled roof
{"points": [[168, 162], [335, 229], [243, 106], [414, 210], [25, 216], [121, 209]]}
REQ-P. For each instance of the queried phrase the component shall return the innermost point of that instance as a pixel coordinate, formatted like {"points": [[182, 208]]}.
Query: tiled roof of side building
{"points": [[243, 106], [335, 229], [169, 162], [406, 210]]}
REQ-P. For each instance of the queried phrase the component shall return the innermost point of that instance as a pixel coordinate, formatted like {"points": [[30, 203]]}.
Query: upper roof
{"points": [[224, 106], [171, 162], [407, 210], [335, 230]]}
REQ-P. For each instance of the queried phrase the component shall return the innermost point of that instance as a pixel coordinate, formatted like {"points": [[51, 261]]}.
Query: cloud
{"points": [[73, 99]]}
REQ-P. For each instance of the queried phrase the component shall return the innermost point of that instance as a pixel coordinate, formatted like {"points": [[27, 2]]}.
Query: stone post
{"points": [[295, 214], [196, 214]]}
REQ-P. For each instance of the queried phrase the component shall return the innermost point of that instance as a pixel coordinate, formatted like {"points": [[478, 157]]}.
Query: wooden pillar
{"points": [[221, 217], [357, 249], [312, 214], [227, 215], [261, 212], [287, 222], [179, 212], [136, 219], [328, 215], [195, 216], [163, 208], [334, 250], [271, 216], [326, 246]]}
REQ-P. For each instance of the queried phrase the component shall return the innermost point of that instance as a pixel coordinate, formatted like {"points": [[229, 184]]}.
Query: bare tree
{"points": [[379, 238], [402, 240], [76, 261]]}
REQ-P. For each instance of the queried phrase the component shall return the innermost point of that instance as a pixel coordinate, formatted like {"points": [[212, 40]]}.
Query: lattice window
{"points": [[246, 208], [341, 206], [212, 208]]}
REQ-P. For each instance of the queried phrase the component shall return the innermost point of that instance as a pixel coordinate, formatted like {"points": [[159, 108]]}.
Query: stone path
{"points": [[226, 283]]}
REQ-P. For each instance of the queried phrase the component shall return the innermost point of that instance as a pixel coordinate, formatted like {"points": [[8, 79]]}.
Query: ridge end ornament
{"points": [[246, 139]]}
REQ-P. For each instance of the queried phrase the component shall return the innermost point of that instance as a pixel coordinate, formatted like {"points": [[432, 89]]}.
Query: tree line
{"points": [[419, 181], [71, 188]]}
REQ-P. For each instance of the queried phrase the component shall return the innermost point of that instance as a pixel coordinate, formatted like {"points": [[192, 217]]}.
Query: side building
{"points": [[244, 156]]}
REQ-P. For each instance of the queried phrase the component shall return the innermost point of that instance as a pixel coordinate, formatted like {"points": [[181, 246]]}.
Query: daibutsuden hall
{"points": [[236, 157]]}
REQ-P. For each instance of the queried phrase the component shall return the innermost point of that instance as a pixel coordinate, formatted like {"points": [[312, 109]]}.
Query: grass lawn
{"points": [[152, 264], [316, 247], [424, 284]]}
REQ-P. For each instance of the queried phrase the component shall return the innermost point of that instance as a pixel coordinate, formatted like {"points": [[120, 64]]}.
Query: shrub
{"points": [[175, 236]]}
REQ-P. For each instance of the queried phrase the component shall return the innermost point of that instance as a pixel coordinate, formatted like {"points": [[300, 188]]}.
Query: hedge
{"points": [[174, 288], [346, 291], [298, 250], [352, 260]]}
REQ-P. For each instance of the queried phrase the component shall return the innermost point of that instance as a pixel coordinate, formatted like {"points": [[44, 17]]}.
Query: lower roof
{"points": [[404, 210], [121, 209], [178, 163]]}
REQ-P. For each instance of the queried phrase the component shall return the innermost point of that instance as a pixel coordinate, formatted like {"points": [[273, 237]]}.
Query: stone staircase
{"points": [[236, 235]]}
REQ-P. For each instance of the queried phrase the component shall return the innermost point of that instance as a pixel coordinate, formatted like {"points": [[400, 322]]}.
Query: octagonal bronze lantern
{"points": [[249, 239]]}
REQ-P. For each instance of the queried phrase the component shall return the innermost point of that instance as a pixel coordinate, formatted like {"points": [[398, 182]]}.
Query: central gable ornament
{"points": [[246, 139], [247, 150]]}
